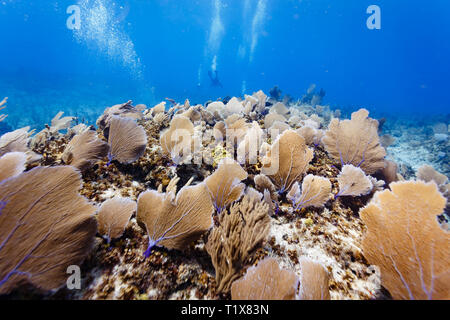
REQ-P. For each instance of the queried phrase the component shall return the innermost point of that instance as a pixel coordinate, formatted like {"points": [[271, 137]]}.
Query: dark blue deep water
{"points": [[147, 50]]}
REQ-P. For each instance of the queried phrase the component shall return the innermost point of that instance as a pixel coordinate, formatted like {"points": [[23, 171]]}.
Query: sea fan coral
{"points": [[17, 141], [43, 206], [114, 215], [315, 192], [353, 182], [427, 173], [248, 149], [266, 282], [126, 110], [355, 142], [12, 164], [405, 240], [239, 233], [224, 185], [127, 140], [287, 160], [175, 221], [177, 141], [84, 150], [314, 280]]}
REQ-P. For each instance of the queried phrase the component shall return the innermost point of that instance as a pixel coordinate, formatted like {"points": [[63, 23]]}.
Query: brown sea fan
{"points": [[314, 279], [177, 141], [174, 221], [266, 281], [127, 140], [405, 240], [224, 185], [353, 182], [84, 150], [125, 110], [315, 192], [12, 164], [46, 226], [287, 160], [355, 142], [114, 215]]}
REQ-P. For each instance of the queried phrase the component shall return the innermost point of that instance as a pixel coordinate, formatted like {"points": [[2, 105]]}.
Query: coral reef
{"points": [[256, 179]]}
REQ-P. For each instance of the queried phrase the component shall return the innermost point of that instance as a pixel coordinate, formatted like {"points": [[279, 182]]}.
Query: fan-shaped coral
{"points": [[315, 192], [114, 215], [314, 280], [126, 110], [353, 182], [175, 221], [12, 164], [405, 240], [287, 160], [239, 233], [355, 142], [43, 206], [266, 282], [224, 185], [127, 140], [84, 150], [177, 141]]}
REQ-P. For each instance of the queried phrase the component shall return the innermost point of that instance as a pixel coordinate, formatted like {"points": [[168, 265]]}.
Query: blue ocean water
{"points": [[149, 50]]}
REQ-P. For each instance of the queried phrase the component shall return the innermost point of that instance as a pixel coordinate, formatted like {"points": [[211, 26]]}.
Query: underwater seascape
{"points": [[224, 150]]}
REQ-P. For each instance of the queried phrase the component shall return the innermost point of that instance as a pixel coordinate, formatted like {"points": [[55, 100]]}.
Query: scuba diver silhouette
{"points": [[215, 82]]}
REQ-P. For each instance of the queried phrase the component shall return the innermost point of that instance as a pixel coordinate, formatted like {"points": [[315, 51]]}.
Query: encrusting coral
{"points": [[405, 240], [127, 140], [84, 150], [114, 215], [266, 281], [353, 182], [174, 221], [287, 160], [239, 233], [224, 185], [355, 142], [43, 206], [12, 164]]}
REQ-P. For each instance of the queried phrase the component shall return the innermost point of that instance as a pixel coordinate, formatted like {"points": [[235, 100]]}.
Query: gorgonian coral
{"points": [[405, 240], [43, 207], [127, 140], [355, 142], [315, 192], [239, 233], [177, 141], [353, 182], [12, 164], [114, 215], [84, 150], [224, 185], [287, 160], [266, 281], [174, 221], [314, 280]]}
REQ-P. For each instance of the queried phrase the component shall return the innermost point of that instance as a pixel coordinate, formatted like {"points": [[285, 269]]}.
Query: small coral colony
{"points": [[235, 199]]}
